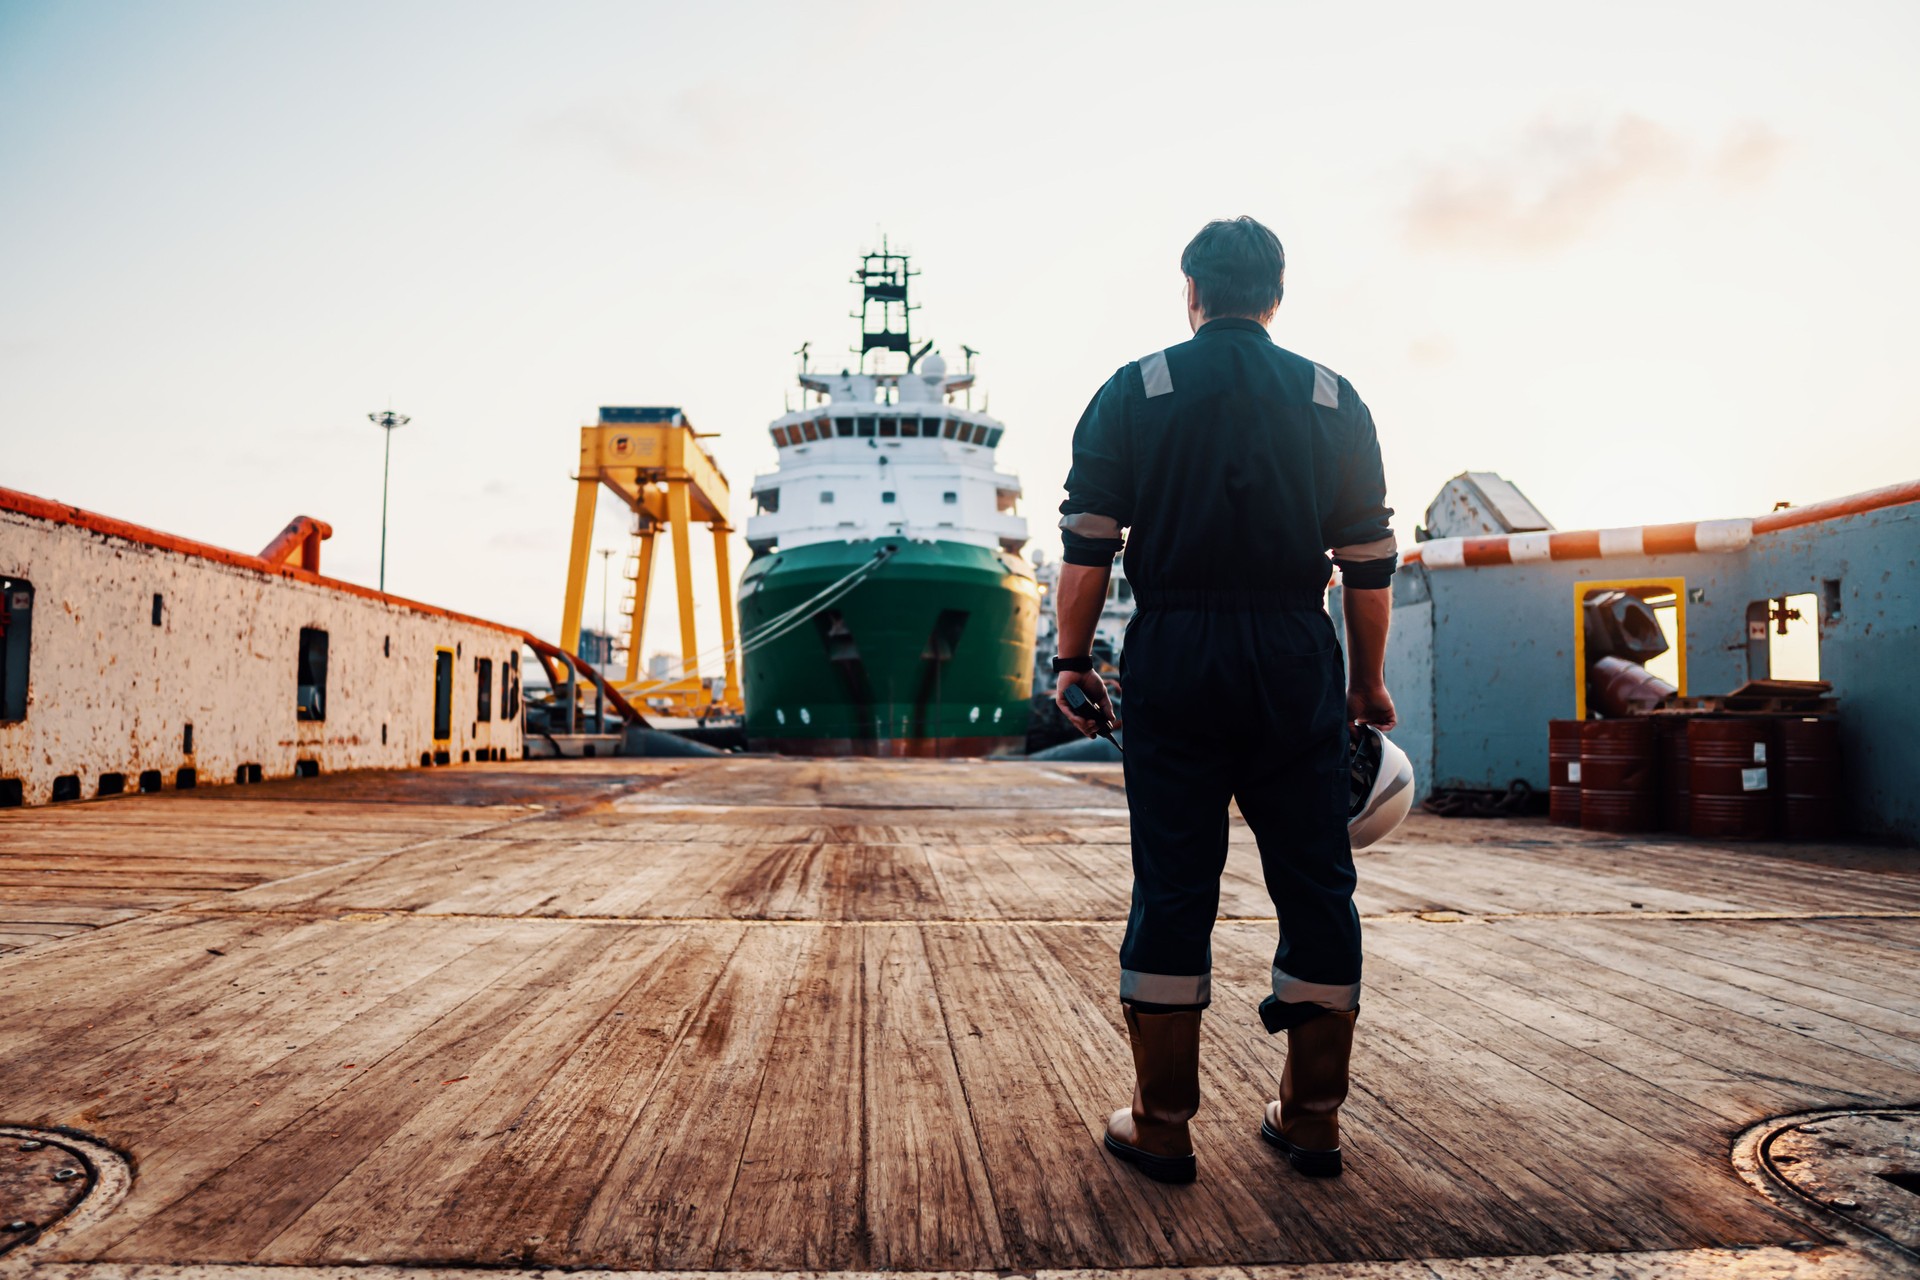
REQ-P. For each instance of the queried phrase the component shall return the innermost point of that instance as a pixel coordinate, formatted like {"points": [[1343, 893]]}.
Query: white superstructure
{"points": [[881, 455]]}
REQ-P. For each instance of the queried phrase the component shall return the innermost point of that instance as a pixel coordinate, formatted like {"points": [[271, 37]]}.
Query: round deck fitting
{"points": [[1859, 1168], [53, 1181]]}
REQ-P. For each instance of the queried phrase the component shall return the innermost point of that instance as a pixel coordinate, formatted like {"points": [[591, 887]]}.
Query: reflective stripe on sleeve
{"points": [[1340, 998], [1155, 376], [1089, 525], [1379, 549], [1168, 988], [1326, 387]]}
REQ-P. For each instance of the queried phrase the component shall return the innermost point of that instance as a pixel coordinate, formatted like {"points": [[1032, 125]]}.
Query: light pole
{"points": [[387, 420], [606, 637]]}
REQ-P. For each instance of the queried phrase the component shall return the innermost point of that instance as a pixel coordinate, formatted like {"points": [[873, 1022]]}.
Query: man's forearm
{"points": [[1368, 614], [1082, 594]]}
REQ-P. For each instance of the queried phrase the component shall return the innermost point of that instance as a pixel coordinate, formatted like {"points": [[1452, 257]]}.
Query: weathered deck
{"points": [[776, 1015]]}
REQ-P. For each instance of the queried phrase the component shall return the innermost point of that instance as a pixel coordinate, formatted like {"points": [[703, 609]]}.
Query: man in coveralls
{"points": [[1238, 467]]}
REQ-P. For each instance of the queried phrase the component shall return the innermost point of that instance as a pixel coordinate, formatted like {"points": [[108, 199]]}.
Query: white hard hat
{"points": [[1381, 787]]}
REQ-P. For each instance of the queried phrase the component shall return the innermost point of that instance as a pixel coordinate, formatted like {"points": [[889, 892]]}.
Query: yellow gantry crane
{"points": [[652, 460]]}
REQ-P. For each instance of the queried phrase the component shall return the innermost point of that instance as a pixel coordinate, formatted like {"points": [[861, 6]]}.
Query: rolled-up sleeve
{"points": [[1099, 500], [1358, 530]]}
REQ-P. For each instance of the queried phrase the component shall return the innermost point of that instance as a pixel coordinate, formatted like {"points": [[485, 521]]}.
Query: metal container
{"points": [[1563, 772], [1810, 778], [1616, 687], [1676, 770], [1731, 775], [1618, 772]]}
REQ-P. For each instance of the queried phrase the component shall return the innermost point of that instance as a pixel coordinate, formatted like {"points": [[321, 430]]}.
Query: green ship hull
{"points": [[928, 654]]}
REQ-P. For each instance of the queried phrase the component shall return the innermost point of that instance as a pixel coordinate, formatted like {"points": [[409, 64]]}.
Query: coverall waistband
{"points": [[1236, 599]]}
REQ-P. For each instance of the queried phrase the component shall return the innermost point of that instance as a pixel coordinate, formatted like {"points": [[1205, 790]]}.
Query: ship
{"points": [[887, 609]]}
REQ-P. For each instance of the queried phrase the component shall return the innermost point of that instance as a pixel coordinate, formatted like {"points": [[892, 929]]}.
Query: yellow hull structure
{"points": [[652, 460]]}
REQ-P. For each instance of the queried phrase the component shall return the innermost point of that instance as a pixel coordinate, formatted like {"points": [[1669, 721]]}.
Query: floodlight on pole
{"points": [[387, 420]]}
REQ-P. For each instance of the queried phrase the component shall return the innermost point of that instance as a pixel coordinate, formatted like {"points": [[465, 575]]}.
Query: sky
{"points": [[1650, 262]]}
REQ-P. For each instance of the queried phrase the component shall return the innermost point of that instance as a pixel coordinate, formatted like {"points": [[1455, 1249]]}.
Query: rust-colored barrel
{"points": [[1618, 773], [1676, 769], [1563, 772], [1810, 778], [1732, 777]]}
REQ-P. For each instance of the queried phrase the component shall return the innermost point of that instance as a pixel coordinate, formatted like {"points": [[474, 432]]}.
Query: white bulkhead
{"points": [[887, 455]]}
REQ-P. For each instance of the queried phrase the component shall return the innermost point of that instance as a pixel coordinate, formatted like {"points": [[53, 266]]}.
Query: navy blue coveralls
{"points": [[1237, 466]]}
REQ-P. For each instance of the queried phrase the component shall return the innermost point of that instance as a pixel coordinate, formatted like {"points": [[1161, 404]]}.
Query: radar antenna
{"points": [[885, 315], [971, 353]]}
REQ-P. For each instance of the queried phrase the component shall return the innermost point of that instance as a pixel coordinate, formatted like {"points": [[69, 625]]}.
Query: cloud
{"points": [[1749, 156], [661, 134], [1558, 181]]}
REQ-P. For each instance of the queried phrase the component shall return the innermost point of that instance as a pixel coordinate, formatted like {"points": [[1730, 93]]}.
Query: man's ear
{"points": [[1193, 295]]}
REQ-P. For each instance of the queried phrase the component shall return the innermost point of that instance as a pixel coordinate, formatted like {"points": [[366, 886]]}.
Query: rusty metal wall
{"points": [[111, 691]]}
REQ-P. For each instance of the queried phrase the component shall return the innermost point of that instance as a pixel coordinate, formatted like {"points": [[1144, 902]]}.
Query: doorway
{"points": [[442, 696], [1783, 638]]}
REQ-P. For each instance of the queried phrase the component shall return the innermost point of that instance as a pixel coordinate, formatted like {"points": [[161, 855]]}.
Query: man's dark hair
{"points": [[1239, 268]]}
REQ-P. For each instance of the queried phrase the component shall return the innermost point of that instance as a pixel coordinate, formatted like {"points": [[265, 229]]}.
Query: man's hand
{"points": [[1371, 704], [1096, 690]]}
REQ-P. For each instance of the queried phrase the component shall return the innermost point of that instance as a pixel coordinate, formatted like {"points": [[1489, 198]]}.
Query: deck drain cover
{"points": [[1863, 1166], [46, 1175]]}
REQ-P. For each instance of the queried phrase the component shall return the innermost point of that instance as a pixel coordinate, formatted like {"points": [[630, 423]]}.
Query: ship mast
{"points": [[885, 315]]}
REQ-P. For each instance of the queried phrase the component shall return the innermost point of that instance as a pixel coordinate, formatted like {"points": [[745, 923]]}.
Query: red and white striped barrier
{"points": [[1709, 536]]}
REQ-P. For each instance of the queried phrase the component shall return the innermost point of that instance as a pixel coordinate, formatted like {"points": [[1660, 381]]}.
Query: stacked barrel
{"points": [[1741, 777]]}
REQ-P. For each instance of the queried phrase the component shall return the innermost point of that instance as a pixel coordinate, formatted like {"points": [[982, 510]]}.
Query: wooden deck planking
{"points": [[759, 1015], [930, 1202]]}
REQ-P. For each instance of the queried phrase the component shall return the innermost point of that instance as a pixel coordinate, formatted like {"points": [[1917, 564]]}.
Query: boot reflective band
{"points": [[1166, 988]]}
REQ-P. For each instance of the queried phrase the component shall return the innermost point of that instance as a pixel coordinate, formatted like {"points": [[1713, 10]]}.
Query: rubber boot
{"points": [[1152, 1134], [1305, 1121]]}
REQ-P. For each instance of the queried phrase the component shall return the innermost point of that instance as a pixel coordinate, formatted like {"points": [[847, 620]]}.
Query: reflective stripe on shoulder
{"points": [[1155, 376], [1326, 387]]}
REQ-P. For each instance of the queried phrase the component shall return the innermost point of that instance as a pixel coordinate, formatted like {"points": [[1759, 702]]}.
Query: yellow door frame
{"points": [[1633, 586]]}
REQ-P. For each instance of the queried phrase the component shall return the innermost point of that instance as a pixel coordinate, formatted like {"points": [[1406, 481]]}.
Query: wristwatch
{"points": [[1071, 664]]}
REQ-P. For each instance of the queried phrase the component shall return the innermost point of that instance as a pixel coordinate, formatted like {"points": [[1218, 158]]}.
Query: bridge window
{"points": [[993, 438], [952, 428], [865, 427], [843, 427], [910, 427], [767, 501], [889, 427]]}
